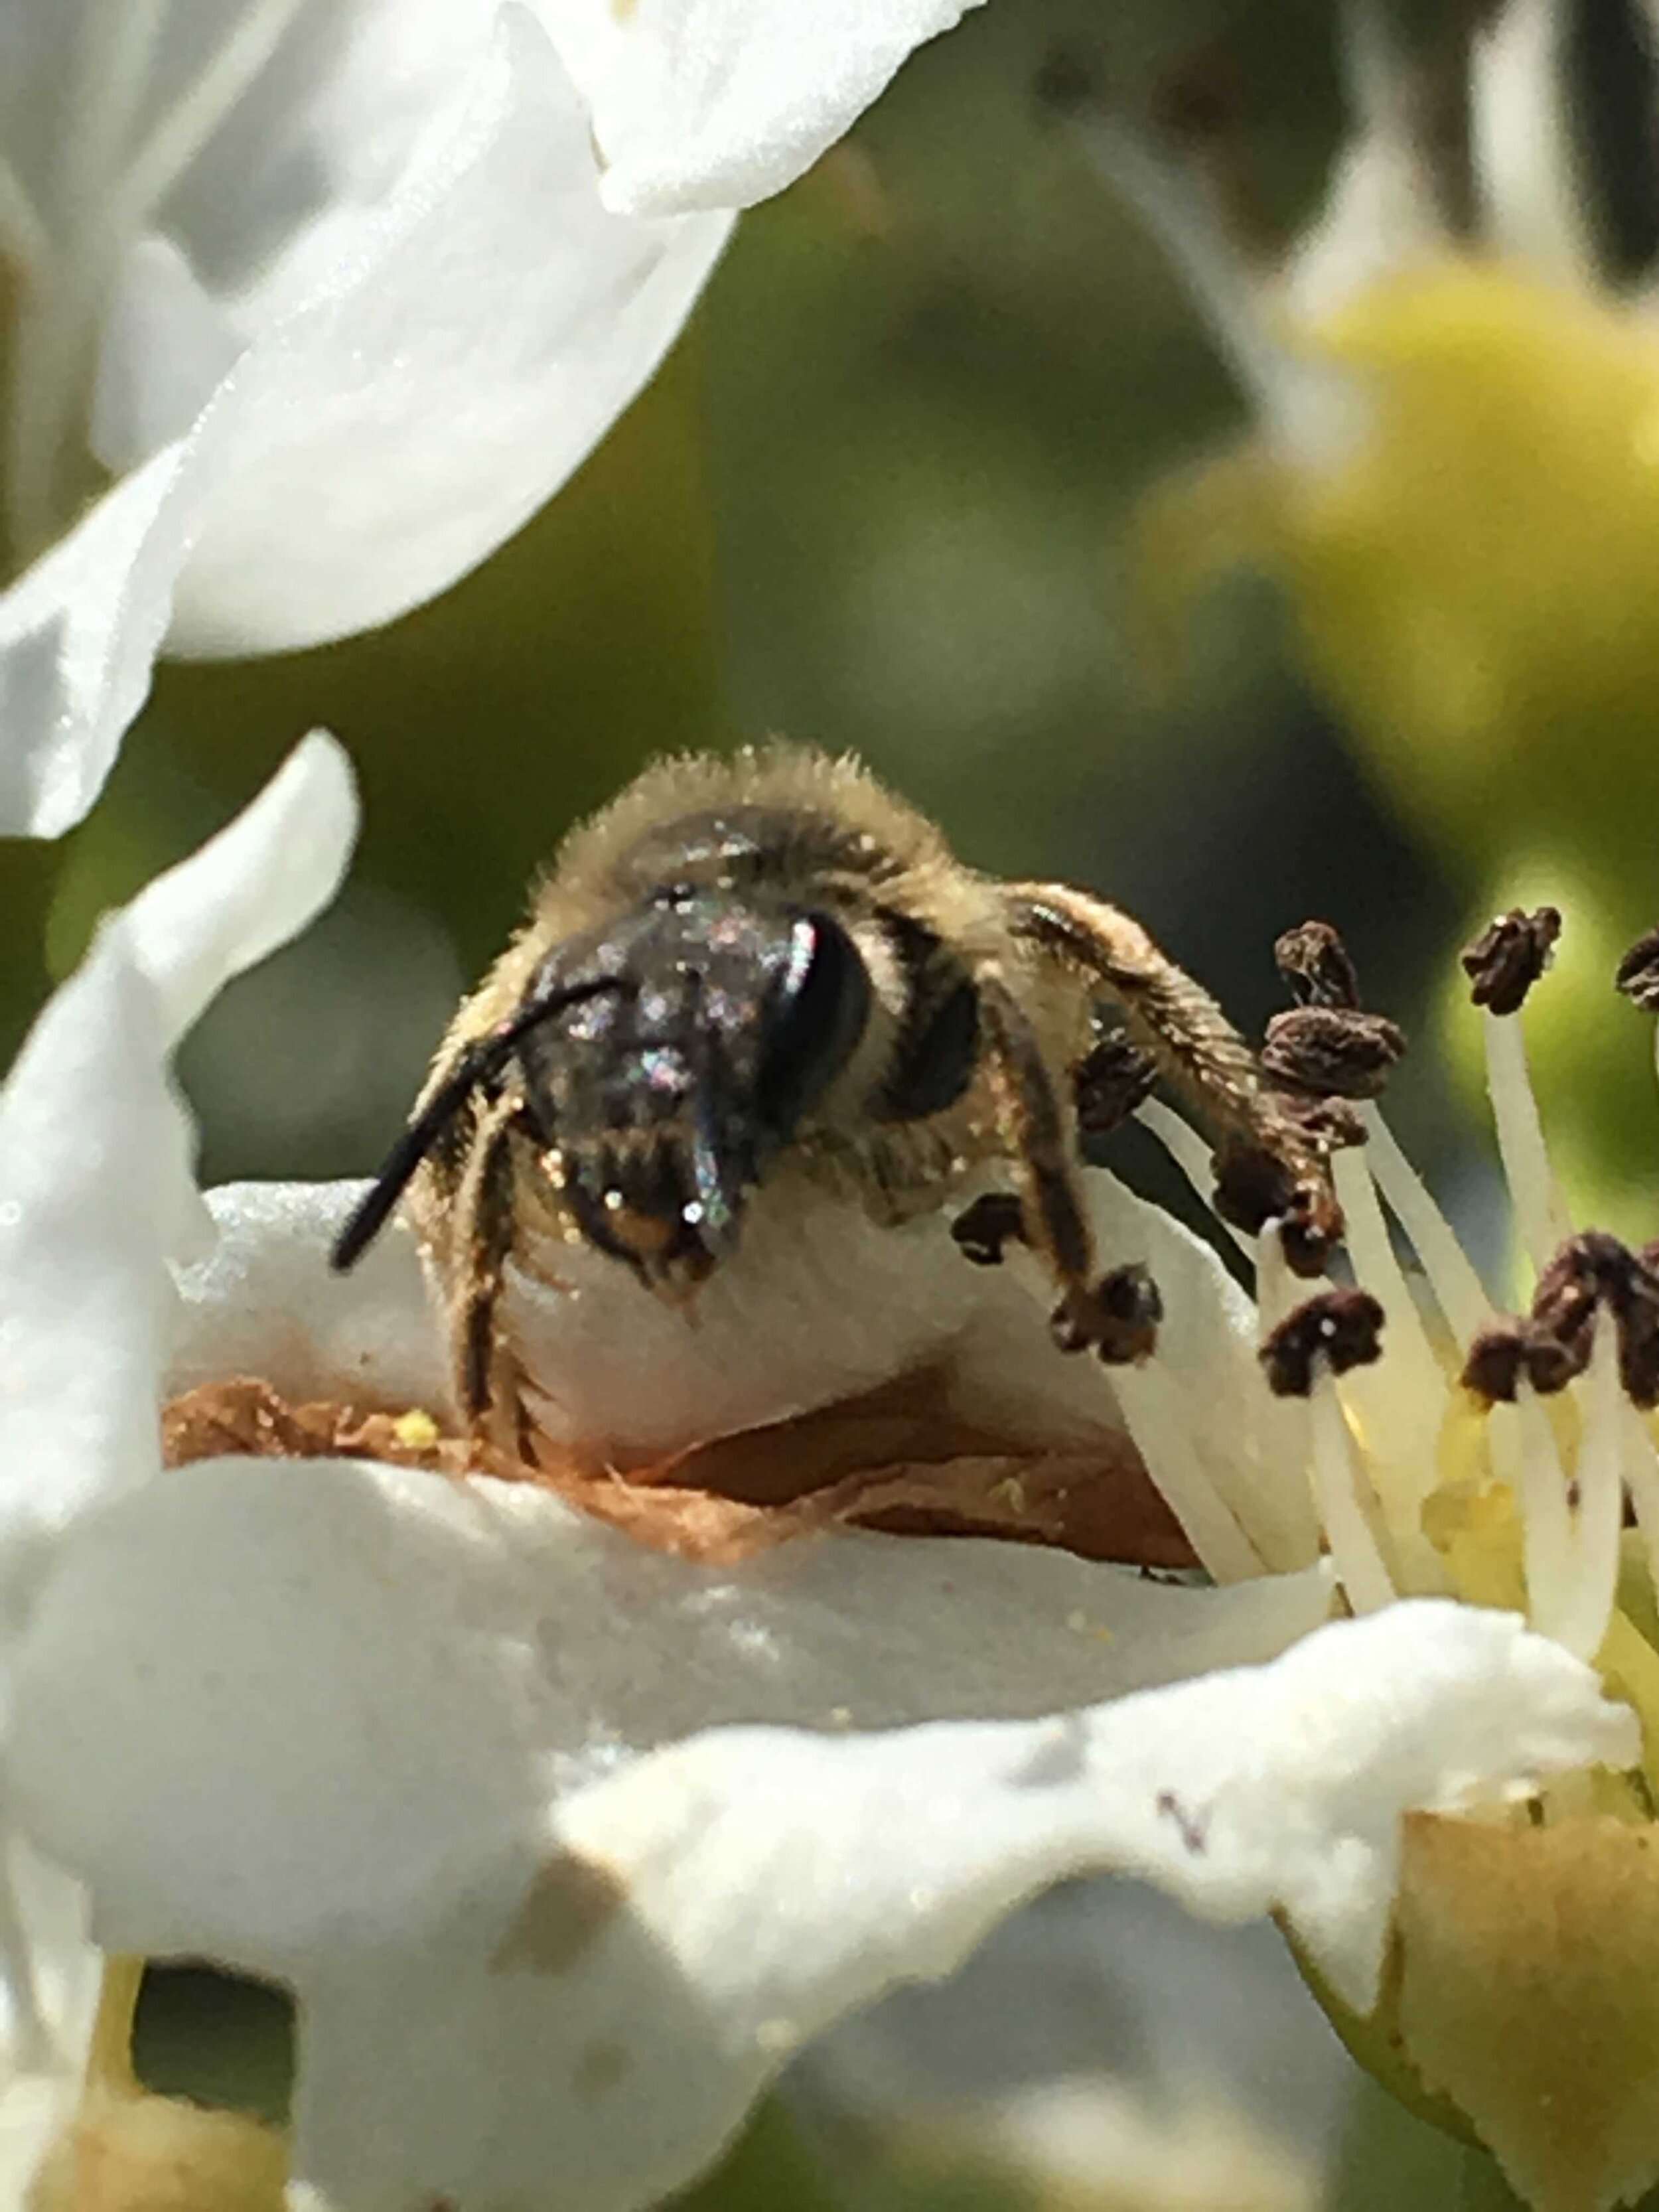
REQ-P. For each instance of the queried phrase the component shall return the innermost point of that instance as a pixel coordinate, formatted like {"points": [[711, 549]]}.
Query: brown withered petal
{"points": [[897, 1460], [1637, 974], [1109, 1083], [1315, 962], [1341, 1326], [1509, 956], [1332, 1051]]}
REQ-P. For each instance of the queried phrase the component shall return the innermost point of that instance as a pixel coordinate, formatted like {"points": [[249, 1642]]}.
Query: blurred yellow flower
{"points": [[1452, 478]]}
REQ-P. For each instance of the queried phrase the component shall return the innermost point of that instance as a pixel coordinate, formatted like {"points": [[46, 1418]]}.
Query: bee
{"points": [[757, 989]]}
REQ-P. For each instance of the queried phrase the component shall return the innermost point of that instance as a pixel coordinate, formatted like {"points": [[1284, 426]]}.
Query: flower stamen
{"points": [[1326, 1336], [1151, 1407], [1310, 408], [1447, 1269], [1503, 964]]}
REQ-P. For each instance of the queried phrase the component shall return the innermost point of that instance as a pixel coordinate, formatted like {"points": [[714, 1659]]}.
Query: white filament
{"points": [[1570, 1531], [1193, 1157], [1547, 1535], [1152, 1409], [1337, 1475], [1541, 1212], [1458, 1290], [1308, 408], [1641, 1466], [1520, 141], [1399, 1398]]}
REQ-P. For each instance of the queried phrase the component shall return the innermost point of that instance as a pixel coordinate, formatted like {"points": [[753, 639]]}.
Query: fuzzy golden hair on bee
{"points": [[766, 975]]}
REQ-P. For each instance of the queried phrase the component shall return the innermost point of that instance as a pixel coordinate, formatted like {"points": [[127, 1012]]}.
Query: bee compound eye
{"points": [[813, 1021]]}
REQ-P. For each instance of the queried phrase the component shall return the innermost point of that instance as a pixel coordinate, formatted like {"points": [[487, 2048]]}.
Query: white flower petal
{"points": [[50, 1976], [166, 346], [383, 439], [78, 633], [710, 1909], [260, 1701], [397, 229], [95, 1183], [265, 1303], [627, 1377], [717, 103]]}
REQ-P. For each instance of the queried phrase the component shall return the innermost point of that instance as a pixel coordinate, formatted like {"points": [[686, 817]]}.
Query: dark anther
{"points": [[1501, 1354], [1332, 1051], [1637, 973], [1129, 1300], [1110, 1082], [1314, 961], [1590, 1270], [1341, 1326], [1509, 956], [984, 1230], [1638, 1347], [1497, 1358], [1064, 82], [1119, 1317], [1253, 1186], [1331, 1125]]}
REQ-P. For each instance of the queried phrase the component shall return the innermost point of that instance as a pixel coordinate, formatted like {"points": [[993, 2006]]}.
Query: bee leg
{"points": [[1118, 1314], [983, 1231], [484, 1241], [1187, 1038]]}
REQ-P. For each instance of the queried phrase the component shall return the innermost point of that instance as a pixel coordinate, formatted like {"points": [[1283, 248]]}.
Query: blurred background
{"points": [[885, 498]]}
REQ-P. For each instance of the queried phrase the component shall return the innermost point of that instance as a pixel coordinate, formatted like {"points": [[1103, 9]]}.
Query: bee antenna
{"points": [[478, 1064]]}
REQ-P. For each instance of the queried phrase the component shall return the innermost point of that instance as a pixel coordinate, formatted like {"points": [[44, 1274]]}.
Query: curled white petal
{"points": [[265, 1302], [78, 633], [264, 1703], [365, 397], [704, 1912], [377, 444], [717, 103], [95, 1180]]}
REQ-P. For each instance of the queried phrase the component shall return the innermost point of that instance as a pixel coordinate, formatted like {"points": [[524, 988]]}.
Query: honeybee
{"points": [[765, 982]]}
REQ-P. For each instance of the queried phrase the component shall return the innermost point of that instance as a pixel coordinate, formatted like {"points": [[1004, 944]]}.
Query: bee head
{"points": [[662, 1101]]}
